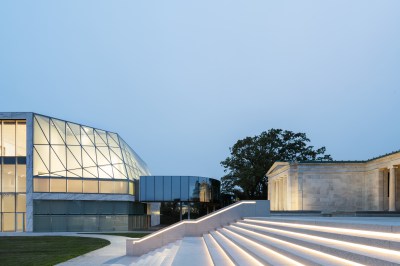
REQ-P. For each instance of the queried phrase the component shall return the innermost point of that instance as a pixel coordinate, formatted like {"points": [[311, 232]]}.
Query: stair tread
{"points": [[217, 254], [372, 252], [395, 237], [192, 251], [308, 256], [237, 255]]}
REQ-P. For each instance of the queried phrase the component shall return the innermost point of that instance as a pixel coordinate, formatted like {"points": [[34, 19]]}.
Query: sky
{"points": [[182, 81]]}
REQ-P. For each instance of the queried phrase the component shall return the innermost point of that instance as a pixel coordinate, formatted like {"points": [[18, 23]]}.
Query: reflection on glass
{"points": [[179, 188]]}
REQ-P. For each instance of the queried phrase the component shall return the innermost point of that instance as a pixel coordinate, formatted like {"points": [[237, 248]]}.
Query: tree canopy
{"points": [[251, 157]]}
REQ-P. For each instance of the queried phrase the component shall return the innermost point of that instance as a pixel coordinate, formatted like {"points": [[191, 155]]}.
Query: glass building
{"points": [[57, 175]]}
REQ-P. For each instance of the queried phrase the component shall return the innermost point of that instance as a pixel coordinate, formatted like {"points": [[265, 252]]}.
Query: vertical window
{"points": [[21, 138], [8, 178], [8, 138], [21, 178]]}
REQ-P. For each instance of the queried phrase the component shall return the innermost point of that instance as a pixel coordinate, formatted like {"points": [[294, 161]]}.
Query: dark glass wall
{"points": [[179, 188], [76, 215]]}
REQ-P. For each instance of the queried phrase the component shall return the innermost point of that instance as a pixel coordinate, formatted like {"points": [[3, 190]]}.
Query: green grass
{"points": [[132, 235], [45, 250]]}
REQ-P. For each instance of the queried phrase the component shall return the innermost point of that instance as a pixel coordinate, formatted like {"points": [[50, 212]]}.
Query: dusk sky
{"points": [[182, 81]]}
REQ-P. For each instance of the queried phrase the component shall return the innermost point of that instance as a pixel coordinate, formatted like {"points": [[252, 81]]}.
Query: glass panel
{"points": [[184, 188], [89, 157], [90, 186], [87, 136], [58, 160], [41, 160], [167, 188], [74, 185], [41, 185], [100, 137], [205, 191], [149, 188], [112, 139], [103, 156], [20, 222], [8, 221], [116, 155], [73, 134], [75, 173], [120, 187], [8, 203], [176, 187], [105, 171], [8, 178], [8, 141], [106, 186], [55, 137], [38, 134], [43, 123], [21, 203], [90, 172], [57, 185], [74, 157], [21, 138], [131, 188], [21, 178], [159, 188], [194, 188], [60, 126], [119, 171]]}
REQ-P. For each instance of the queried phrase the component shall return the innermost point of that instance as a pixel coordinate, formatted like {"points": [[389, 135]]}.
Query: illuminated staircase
{"points": [[292, 241]]}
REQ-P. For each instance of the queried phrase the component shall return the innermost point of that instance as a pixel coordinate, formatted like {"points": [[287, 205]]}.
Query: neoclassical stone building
{"points": [[372, 185]]}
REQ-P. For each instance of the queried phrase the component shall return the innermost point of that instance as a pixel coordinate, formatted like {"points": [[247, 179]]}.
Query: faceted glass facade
{"points": [[179, 188], [69, 157], [12, 175]]}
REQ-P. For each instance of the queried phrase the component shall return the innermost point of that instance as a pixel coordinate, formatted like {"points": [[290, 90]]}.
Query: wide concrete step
{"points": [[218, 255], [159, 257], [280, 240], [296, 253], [357, 236], [235, 253]]}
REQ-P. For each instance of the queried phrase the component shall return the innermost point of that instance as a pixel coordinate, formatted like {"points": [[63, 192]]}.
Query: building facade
{"points": [[57, 175], [348, 186]]}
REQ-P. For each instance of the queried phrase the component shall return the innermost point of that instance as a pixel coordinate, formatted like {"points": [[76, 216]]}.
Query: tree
{"points": [[251, 157]]}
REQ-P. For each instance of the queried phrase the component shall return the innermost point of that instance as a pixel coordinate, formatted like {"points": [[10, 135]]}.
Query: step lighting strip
{"points": [[252, 260], [380, 235], [359, 247], [288, 261], [304, 249]]}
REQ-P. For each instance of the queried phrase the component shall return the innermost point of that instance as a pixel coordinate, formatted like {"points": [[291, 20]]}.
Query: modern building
{"points": [[57, 175], [348, 186]]}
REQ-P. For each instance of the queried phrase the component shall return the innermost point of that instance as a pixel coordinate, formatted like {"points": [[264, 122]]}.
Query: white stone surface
{"points": [[336, 186]]}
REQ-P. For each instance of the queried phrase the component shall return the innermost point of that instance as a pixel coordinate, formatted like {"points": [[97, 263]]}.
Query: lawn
{"points": [[127, 234], [45, 250]]}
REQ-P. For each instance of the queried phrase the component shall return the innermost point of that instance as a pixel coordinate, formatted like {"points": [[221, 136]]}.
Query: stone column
{"points": [[276, 195], [392, 189]]}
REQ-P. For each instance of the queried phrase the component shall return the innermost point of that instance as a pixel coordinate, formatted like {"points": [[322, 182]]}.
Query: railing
{"points": [[198, 227]]}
